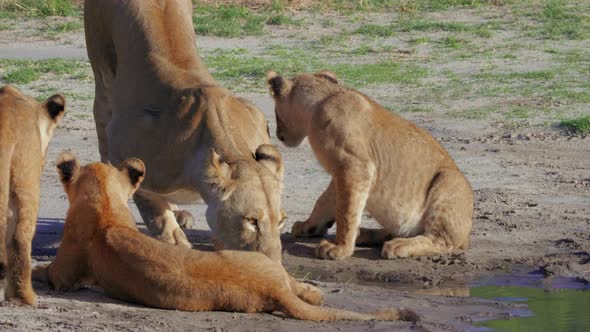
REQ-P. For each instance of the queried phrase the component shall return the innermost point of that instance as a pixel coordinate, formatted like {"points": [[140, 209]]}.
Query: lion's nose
{"points": [[281, 138]]}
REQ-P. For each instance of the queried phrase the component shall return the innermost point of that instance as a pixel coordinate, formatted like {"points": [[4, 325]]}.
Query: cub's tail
{"points": [[297, 308]]}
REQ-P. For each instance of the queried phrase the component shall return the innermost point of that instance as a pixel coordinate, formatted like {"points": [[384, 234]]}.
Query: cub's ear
{"points": [[68, 167], [278, 85], [269, 156], [218, 174], [134, 169], [327, 75], [55, 106]]}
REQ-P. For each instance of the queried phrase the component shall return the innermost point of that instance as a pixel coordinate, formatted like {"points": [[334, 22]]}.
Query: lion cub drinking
{"points": [[101, 244], [25, 130], [378, 161]]}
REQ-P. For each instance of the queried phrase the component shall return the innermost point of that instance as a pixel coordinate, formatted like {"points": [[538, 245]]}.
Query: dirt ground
{"points": [[532, 188]]}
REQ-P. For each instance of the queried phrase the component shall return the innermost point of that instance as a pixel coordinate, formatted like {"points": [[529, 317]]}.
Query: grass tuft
{"points": [[26, 71], [227, 21], [579, 125], [39, 8]]}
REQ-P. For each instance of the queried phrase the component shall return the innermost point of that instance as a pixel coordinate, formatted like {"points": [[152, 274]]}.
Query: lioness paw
{"points": [[329, 250], [298, 229]]}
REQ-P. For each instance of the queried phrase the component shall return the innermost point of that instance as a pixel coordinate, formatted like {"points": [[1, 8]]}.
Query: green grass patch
{"points": [[376, 30], [402, 5], [227, 21], [378, 73], [66, 27], [579, 125], [412, 24], [38, 8], [283, 20], [565, 19], [453, 42], [21, 76], [238, 67], [26, 71]]}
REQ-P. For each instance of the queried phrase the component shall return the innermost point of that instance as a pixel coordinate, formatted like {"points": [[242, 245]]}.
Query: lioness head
{"points": [[98, 181], [294, 99], [246, 213]]}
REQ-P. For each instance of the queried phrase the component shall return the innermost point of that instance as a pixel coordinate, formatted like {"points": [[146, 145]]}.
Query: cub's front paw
{"points": [[329, 250], [184, 218]]}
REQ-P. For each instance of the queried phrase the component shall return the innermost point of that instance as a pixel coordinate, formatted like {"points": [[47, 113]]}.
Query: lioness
{"points": [[101, 244], [378, 160], [155, 100], [25, 130]]}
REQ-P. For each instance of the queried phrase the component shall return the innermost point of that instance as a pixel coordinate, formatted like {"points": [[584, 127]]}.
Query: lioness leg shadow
{"points": [[447, 220], [160, 219], [322, 217], [372, 237]]}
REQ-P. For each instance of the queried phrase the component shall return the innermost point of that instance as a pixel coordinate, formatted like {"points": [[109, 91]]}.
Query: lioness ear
{"points": [[328, 75], [68, 167], [55, 106], [278, 86], [218, 175], [269, 156], [135, 169]]}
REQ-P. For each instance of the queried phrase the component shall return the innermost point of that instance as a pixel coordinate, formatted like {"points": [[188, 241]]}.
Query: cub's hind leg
{"points": [[447, 220], [306, 292], [322, 217], [160, 219]]}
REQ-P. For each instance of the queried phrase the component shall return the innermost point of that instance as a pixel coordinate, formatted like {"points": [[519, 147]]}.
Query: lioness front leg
{"points": [[321, 218], [353, 186], [160, 220]]}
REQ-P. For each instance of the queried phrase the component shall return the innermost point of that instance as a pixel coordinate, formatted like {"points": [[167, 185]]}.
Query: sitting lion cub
{"points": [[101, 244], [25, 130], [378, 160]]}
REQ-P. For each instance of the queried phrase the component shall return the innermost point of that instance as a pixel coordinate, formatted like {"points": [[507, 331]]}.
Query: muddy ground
{"points": [[532, 186]]}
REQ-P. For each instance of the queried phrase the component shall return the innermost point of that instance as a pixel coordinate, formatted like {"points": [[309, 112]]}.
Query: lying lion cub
{"points": [[25, 130], [101, 244], [378, 160]]}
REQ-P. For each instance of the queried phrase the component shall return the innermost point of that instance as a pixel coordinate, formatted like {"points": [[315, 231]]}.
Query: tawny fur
{"points": [[378, 161], [25, 130], [156, 100], [101, 244]]}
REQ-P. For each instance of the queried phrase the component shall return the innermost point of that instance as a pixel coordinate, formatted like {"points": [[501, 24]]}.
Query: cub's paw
{"points": [[184, 218], [329, 250], [311, 294], [397, 248], [25, 297]]}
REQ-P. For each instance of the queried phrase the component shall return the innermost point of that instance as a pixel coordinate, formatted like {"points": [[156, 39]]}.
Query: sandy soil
{"points": [[532, 214]]}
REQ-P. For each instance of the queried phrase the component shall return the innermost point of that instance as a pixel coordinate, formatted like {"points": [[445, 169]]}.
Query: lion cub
{"points": [[378, 161], [101, 244], [25, 130]]}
